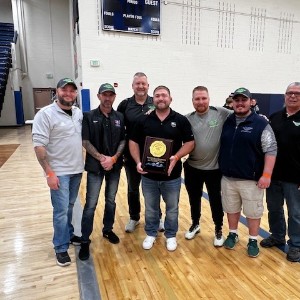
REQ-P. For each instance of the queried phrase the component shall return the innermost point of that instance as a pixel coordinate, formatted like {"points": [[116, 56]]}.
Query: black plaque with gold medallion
{"points": [[156, 156]]}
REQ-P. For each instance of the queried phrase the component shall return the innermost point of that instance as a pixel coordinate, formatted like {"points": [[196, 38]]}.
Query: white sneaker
{"points": [[190, 234], [131, 225], [148, 242], [161, 227], [171, 244], [219, 239]]}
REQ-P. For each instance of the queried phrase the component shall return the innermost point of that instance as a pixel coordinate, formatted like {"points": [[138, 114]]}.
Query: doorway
{"points": [[42, 97]]}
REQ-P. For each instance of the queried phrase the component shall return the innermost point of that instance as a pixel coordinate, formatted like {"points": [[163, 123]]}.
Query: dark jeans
{"points": [[194, 180], [94, 182], [275, 195], [133, 191]]}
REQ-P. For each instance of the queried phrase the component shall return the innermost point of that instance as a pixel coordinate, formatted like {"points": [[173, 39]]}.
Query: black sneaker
{"points": [[271, 241], [293, 254], [112, 237], [63, 259], [84, 252], [75, 240]]}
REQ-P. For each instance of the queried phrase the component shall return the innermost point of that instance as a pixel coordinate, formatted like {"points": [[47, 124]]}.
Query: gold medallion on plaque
{"points": [[158, 148]]}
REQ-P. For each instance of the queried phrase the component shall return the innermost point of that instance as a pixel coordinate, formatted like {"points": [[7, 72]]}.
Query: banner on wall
{"points": [[137, 16]]}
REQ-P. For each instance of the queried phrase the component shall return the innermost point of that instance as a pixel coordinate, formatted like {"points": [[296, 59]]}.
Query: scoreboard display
{"points": [[137, 16]]}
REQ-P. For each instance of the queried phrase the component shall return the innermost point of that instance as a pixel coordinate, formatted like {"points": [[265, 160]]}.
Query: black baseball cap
{"points": [[106, 87], [63, 82], [241, 91]]}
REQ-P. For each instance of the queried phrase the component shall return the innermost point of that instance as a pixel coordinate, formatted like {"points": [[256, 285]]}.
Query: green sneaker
{"points": [[231, 240], [253, 250]]}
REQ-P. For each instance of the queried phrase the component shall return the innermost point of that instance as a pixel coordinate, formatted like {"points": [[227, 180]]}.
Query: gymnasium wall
{"points": [[220, 44]]}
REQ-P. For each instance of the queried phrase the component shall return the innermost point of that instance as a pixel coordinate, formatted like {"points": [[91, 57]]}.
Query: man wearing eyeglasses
{"points": [[247, 157], [286, 176]]}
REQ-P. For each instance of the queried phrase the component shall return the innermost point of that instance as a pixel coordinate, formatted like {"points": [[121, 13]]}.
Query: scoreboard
{"points": [[137, 16]]}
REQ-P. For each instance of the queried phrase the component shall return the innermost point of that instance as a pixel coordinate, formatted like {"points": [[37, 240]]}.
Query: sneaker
{"points": [[171, 244], [253, 250], [112, 237], [130, 226], [75, 240], [271, 241], [195, 229], [293, 254], [84, 252], [161, 227], [63, 259], [219, 239], [231, 240], [148, 242]]}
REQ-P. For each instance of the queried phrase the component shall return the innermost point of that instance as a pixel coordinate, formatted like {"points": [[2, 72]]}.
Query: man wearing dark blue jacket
{"points": [[247, 157]]}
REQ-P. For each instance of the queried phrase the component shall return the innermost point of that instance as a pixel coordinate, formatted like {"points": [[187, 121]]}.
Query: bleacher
{"points": [[7, 36]]}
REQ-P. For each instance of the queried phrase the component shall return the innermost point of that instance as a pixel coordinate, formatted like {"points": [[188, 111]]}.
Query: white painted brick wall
{"points": [[181, 65]]}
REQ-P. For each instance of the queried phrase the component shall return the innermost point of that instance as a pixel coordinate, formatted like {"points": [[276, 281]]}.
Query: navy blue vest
{"points": [[241, 154]]}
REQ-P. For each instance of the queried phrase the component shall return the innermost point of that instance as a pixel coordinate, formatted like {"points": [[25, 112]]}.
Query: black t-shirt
{"points": [[132, 111], [287, 133], [175, 127]]}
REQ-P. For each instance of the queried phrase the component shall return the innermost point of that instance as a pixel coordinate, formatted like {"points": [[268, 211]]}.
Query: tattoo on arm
{"points": [[91, 149], [121, 148], [41, 155]]}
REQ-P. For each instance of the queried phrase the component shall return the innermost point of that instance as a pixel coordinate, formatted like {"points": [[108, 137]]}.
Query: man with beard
{"points": [[132, 108], [247, 156], [202, 164], [162, 123], [103, 137], [56, 135]]}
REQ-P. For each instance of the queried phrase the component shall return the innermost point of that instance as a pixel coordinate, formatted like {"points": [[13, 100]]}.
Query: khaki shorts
{"points": [[238, 194]]}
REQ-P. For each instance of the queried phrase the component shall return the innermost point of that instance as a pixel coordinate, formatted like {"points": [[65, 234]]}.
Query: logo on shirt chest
{"points": [[213, 123], [173, 124], [246, 129], [296, 123], [117, 123]]}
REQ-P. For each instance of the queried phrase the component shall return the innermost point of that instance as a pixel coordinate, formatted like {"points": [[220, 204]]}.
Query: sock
{"points": [[252, 237], [233, 231]]}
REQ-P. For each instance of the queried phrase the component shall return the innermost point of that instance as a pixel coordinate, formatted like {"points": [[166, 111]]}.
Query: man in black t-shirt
{"points": [[285, 183], [132, 108], [103, 137], [163, 123]]}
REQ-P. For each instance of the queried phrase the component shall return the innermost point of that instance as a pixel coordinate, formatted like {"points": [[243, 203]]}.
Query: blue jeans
{"points": [[276, 193], [169, 190], [63, 201], [94, 182]]}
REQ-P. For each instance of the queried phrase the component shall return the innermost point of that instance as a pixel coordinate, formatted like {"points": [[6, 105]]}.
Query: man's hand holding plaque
{"points": [[156, 156]]}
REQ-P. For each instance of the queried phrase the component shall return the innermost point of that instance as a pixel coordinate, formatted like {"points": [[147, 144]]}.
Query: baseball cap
{"points": [[242, 91], [63, 82], [106, 87]]}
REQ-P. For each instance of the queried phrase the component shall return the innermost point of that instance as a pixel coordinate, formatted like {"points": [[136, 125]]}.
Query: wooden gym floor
{"points": [[196, 270]]}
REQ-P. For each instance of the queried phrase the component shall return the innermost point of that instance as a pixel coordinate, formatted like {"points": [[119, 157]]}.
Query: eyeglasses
{"points": [[289, 94]]}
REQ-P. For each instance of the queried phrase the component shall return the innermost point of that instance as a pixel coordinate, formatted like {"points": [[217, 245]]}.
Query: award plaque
{"points": [[156, 156]]}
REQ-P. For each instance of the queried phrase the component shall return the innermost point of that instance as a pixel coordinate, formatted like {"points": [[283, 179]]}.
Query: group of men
{"points": [[232, 151]]}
